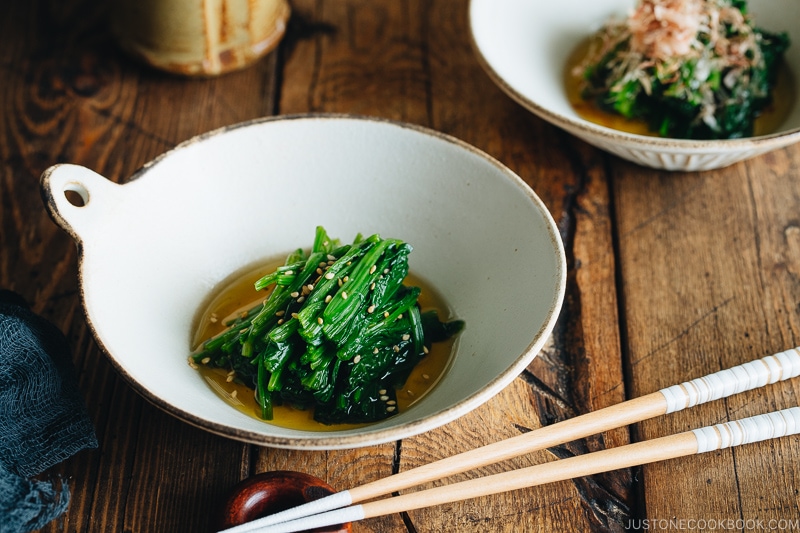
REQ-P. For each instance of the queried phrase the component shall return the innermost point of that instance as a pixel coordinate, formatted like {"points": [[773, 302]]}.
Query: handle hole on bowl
{"points": [[76, 194]]}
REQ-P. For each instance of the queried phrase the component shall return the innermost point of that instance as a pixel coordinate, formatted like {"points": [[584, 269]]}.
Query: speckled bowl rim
{"points": [[365, 437], [577, 124]]}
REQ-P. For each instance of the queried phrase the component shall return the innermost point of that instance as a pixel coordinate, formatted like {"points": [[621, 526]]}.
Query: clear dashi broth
{"points": [[238, 295]]}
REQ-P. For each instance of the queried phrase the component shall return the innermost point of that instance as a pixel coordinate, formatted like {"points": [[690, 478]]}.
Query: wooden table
{"points": [[671, 275]]}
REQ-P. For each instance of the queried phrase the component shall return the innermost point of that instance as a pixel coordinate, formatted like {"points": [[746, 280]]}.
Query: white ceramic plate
{"points": [[524, 46], [153, 249]]}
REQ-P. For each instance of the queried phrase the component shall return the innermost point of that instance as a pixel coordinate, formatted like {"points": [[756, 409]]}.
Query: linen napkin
{"points": [[43, 419]]}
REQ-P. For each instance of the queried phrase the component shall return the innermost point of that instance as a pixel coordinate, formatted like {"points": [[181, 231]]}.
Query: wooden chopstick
{"points": [[710, 438], [751, 375]]}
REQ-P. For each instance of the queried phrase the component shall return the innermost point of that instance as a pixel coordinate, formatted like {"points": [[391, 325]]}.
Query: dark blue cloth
{"points": [[43, 419]]}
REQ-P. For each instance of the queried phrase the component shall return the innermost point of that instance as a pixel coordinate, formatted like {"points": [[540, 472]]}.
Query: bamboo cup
{"points": [[199, 37]]}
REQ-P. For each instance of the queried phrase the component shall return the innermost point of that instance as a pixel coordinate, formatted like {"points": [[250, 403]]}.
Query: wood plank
{"points": [[356, 58], [708, 273], [85, 103], [428, 73], [585, 342], [709, 281]]}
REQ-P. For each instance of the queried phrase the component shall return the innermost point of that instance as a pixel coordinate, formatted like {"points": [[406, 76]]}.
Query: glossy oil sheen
{"points": [[770, 121], [238, 295], [481, 237]]}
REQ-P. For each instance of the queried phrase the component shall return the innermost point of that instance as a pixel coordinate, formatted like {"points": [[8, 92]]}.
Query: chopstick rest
{"points": [[725, 435], [747, 376]]}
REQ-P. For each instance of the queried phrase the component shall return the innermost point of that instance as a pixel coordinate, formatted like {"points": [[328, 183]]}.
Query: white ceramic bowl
{"points": [[524, 46], [154, 248]]}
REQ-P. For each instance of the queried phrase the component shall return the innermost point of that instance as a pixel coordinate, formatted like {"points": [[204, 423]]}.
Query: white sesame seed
{"points": [[372, 286], [280, 321], [205, 360], [344, 295], [390, 408], [346, 279], [331, 257], [234, 393], [399, 316], [391, 402], [356, 359], [329, 275], [213, 319], [425, 349], [384, 398], [396, 348], [410, 392], [310, 287], [322, 264], [301, 299], [406, 337], [425, 376], [382, 391], [375, 350], [340, 283], [328, 298], [385, 270], [294, 294], [229, 379], [386, 314], [372, 269], [288, 273], [279, 313], [319, 320], [295, 315], [371, 309]]}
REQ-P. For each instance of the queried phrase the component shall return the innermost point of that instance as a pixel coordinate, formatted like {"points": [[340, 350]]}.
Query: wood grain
{"points": [[708, 287], [671, 275]]}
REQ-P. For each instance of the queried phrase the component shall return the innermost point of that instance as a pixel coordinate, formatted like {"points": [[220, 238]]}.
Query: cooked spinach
{"points": [[694, 69], [338, 333]]}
